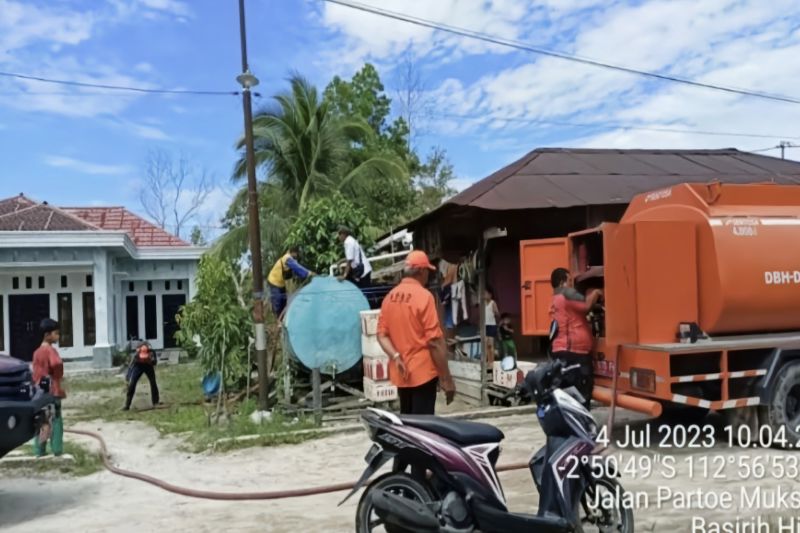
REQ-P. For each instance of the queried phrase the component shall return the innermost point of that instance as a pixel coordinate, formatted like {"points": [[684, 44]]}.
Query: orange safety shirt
{"points": [[47, 362], [409, 318]]}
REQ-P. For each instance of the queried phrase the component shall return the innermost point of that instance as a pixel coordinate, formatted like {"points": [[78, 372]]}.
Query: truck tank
{"points": [[747, 251]]}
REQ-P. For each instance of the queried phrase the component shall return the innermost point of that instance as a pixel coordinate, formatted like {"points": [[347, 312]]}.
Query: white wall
{"points": [[110, 284], [76, 286]]}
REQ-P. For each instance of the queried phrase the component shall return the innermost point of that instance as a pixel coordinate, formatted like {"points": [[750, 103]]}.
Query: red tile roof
{"points": [[20, 213], [142, 232]]}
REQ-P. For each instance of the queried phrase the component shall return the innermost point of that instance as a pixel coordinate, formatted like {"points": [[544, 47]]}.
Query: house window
{"points": [[131, 286], [89, 280], [41, 282], [65, 320], [15, 282], [89, 329], [149, 286], [180, 285], [63, 282], [132, 317], [166, 285], [150, 318], [28, 282]]}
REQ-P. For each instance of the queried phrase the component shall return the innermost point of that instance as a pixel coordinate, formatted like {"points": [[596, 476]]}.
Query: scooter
{"points": [[452, 486]]}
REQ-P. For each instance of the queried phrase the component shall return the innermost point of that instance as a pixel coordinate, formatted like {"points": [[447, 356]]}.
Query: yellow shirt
{"points": [[275, 277]]}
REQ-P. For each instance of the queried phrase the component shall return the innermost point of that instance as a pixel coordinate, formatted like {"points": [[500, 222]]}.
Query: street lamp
{"points": [[247, 80]]}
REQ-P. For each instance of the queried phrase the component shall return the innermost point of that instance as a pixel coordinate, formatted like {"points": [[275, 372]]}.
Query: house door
{"points": [[171, 305], [26, 311], [538, 259]]}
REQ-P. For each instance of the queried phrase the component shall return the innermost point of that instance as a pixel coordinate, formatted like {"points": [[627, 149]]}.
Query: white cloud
{"points": [[173, 7], [143, 67], [739, 43], [147, 132], [85, 167], [22, 24]]}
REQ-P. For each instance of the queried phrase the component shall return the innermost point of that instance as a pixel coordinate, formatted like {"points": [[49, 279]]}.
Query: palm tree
{"points": [[304, 147]]}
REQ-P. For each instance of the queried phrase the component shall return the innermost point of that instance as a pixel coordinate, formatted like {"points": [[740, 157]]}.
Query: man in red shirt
{"points": [[573, 342], [47, 363], [411, 335]]}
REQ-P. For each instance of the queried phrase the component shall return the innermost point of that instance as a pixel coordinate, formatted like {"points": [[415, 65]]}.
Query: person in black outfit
{"points": [[144, 362]]}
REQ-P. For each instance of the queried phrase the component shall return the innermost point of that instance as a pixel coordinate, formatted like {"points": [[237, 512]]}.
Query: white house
{"points": [[106, 274]]}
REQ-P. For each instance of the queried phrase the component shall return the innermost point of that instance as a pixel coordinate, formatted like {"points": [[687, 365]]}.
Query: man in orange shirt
{"points": [[47, 363], [411, 335]]}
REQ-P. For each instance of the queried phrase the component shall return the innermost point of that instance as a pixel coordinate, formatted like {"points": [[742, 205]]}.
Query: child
{"points": [[144, 362], [505, 334], [492, 313], [47, 363]]}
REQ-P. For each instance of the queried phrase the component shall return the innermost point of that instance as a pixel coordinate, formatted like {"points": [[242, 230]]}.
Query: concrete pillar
{"points": [[192, 270], [103, 284]]}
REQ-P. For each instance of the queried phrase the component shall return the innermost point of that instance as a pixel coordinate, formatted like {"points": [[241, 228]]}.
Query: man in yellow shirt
{"points": [[285, 268]]}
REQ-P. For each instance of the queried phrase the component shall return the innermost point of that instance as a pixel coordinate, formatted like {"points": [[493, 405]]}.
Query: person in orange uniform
{"points": [[410, 334], [573, 342], [47, 363]]}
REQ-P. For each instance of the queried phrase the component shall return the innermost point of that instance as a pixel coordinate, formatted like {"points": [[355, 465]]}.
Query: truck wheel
{"points": [[784, 407]]}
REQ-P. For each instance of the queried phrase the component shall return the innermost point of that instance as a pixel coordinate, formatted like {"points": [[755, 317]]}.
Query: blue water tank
{"points": [[323, 324]]}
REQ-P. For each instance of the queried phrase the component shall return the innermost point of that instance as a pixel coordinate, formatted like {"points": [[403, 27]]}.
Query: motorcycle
{"points": [[452, 485]]}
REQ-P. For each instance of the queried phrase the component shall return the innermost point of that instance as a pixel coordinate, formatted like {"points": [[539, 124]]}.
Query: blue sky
{"points": [[85, 147]]}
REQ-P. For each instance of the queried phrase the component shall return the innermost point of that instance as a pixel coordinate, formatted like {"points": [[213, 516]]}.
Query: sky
{"points": [[486, 105]]}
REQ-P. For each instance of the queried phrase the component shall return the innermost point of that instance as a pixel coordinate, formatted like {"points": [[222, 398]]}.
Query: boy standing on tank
{"points": [[47, 363]]}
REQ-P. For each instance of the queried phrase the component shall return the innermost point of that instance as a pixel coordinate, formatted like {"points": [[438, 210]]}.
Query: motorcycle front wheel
{"points": [[368, 520], [618, 519]]}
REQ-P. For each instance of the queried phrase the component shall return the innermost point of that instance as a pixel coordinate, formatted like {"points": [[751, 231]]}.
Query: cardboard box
{"points": [[379, 391], [369, 322], [510, 380], [370, 346], [376, 368]]}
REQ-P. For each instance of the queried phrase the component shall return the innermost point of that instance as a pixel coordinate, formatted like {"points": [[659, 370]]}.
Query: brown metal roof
{"points": [[562, 177]]}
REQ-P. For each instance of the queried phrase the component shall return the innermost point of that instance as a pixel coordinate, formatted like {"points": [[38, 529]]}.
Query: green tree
{"points": [[315, 230], [197, 238], [305, 146], [217, 322], [433, 182]]}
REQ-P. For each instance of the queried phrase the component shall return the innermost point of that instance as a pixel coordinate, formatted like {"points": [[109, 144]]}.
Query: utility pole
{"points": [[783, 145], [247, 80]]}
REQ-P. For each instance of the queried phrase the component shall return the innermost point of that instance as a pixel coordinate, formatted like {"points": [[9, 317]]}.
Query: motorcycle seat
{"points": [[460, 431]]}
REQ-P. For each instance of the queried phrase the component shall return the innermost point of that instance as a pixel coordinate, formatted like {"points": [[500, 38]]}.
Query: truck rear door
{"points": [[538, 259]]}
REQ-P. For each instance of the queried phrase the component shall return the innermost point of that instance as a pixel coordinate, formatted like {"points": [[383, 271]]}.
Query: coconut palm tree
{"points": [[304, 147], [305, 150]]}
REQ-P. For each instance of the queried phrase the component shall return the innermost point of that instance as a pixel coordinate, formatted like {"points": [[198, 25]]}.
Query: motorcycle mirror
{"points": [[508, 363]]}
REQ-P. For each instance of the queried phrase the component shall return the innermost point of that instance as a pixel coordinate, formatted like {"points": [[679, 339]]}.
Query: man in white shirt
{"points": [[357, 268]]}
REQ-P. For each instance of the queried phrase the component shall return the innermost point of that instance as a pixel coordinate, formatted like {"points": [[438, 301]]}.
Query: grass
{"points": [[185, 412], [85, 462]]}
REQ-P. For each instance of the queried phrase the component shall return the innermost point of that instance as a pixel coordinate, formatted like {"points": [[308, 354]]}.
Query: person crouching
{"points": [[144, 362]]}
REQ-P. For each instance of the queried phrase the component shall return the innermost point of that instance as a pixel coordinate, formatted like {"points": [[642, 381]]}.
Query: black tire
{"points": [[783, 409], [402, 484], [617, 520]]}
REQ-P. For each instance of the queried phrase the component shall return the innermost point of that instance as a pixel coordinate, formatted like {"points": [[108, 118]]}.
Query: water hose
{"points": [[228, 496]]}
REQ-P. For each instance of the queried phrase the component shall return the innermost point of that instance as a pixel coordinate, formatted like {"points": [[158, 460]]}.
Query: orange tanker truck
{"points": [[701, 300]]}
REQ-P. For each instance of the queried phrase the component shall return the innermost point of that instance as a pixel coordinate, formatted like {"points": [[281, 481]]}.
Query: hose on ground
{"points": [[230, 496]]}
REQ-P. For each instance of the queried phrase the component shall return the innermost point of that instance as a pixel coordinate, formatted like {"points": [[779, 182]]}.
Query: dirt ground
{"points": [[104, 502]]}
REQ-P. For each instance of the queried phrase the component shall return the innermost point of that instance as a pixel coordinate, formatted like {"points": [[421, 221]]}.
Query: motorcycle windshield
{"points": [[576, 415]]}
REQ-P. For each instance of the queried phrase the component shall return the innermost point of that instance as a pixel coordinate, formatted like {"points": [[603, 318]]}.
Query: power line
{"points": [[612, 125], [510, 43], [116, 87]]}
